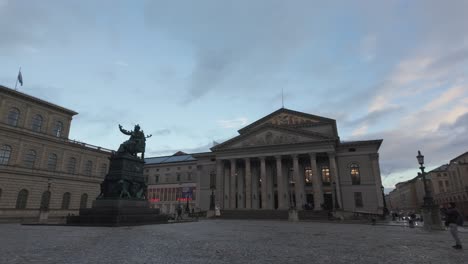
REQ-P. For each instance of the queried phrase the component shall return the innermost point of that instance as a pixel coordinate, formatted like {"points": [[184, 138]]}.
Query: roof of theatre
{"points": [[177, 157]]}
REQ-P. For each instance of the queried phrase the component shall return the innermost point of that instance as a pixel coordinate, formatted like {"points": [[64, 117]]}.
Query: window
{"points": [[66, 200], [167, 169], [30, 158], [37, 123], [441, 186], [156, 178], [308, 176], [58, 129], [71, 165], [355, 176], [178, 176], [52, 162], [22, 199], [167, 177], [326, 175], [88, 168], [103, 169], [189, 176], [84, 200], [13, 116], [5, 154], [358, 199], [45, 200]]}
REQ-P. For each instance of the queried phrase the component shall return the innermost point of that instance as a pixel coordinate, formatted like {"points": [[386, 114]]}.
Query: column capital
{"points": [[295, 156], [262, 158], [247, 159], [312, 155], [374, 156], [232, 160], [331, 154], [278, 157]]}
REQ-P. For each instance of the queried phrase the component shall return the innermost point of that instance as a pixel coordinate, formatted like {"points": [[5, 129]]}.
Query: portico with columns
{"points": [[290, 159]]}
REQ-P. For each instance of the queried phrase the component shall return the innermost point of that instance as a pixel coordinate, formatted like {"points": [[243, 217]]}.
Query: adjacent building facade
{"points": [[40, 168], [447, 183], [172, 182]]}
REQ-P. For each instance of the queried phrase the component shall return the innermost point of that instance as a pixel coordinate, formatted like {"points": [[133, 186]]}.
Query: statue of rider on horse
{"points": [[136, 144]]}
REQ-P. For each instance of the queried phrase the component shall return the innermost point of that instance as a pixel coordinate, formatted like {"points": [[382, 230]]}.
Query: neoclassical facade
{"points": [[293, 159], [40, 168]]}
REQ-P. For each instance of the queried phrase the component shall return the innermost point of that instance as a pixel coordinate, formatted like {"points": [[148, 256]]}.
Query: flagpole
{"points": [[16, 84]]}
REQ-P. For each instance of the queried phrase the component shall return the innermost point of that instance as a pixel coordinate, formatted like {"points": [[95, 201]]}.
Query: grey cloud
{"points": [[399, 149], [162, 132]]}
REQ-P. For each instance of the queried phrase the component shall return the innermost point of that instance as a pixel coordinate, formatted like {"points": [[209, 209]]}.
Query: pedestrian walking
{"points": [[453, 219], [179, 212]]}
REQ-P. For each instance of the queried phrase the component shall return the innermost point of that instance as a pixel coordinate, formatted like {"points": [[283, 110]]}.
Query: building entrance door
{"points": [[327, 201], [309, 201]]}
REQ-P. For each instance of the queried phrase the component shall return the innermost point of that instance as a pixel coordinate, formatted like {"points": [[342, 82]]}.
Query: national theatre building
{"points": [[290, 159]]}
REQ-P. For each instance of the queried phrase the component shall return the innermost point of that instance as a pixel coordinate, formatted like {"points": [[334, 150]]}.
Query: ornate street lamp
{"points": [[428, 200], [431, 212], [385, 209]]}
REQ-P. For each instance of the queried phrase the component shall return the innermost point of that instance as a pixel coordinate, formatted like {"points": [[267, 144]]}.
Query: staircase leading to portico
{"points": [[312, 215], [254, 214]]}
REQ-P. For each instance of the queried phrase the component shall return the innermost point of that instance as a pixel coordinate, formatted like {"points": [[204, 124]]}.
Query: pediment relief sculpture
{"points": [[289, 119], [271, 138]]}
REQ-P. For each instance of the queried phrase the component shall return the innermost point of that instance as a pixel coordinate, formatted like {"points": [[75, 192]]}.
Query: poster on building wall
{"points": [[187, 193]]}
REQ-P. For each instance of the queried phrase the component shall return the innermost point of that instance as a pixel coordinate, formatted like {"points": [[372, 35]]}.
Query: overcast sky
{"points": [[190, 72]]}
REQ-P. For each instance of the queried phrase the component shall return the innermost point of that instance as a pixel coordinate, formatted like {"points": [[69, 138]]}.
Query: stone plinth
{"points": [[431, 218], [118, 213]]}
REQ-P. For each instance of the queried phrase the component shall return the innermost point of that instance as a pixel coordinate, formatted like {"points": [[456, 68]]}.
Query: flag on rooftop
{"points": [[20, 77]]}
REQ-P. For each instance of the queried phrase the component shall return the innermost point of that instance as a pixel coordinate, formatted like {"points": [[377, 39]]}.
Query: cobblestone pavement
{"points": [[228, 241]]}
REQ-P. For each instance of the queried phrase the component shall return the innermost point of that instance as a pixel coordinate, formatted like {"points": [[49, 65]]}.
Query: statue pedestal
{"points": [[116, 212], [122, 201]]}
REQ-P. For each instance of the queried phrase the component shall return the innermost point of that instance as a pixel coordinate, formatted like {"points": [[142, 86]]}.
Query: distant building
{"points": [[456, 175], [447, 183], [172, 181], [40, 168], [284, 159]]}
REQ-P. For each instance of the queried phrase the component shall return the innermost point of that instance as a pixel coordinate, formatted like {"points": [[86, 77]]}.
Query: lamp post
{"points": [[431, 213], [428, 200], [385, 209]]}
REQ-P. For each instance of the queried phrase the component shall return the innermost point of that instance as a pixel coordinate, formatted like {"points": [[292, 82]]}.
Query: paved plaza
{"points": [[228, 241]]}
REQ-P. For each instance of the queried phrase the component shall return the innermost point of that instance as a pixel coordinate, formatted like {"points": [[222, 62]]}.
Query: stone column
{"points": [[298, 189], [219, 184], [227, 183], [335, 178], [282, 204], [264, 183], [378, 181], [316, 182], [232, 190], [248, 184], [254, 171], [240, 189]]}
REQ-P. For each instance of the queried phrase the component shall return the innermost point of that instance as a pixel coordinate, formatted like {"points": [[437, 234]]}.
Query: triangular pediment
{"points": [[268, 135], [287, 118]]}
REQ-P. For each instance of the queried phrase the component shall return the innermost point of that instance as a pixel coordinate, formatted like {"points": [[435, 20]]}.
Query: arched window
{"points": [[45, 200], [13, 117], [58, 129], [22, 199], [355, 175], [66, 200], [88, 168], [30, 159], [71, 165], [84, 200], [5, 154], [103, 169], [37, 123], [52, 162]]}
